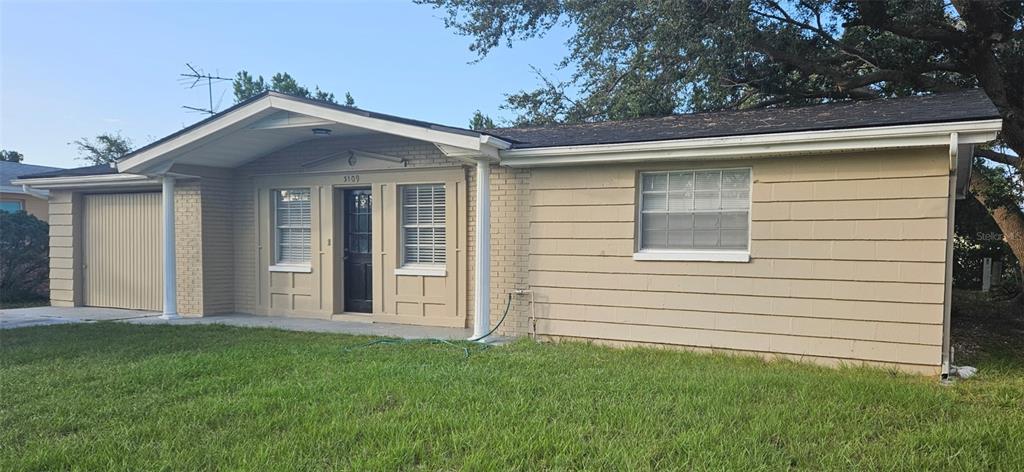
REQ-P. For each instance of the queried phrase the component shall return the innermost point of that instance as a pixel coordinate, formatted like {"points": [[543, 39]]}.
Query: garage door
{"points": [[121, 235]]}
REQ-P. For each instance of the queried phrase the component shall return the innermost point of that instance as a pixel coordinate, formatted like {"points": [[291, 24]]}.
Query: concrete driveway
{"points": [[42, 316], [51, 315]]}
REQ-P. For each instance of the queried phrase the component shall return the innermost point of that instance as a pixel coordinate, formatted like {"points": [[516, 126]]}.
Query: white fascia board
{"points": [[88, 181], [469, 156], [184, 141], [762, 145], [376, 124]]}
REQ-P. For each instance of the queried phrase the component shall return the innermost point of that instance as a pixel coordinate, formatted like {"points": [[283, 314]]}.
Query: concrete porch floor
{"points": [[42, 316]]}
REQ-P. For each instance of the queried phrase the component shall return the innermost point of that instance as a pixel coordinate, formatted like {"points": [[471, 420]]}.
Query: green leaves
{"points": [[11, 156], [105, 149], [246, 86], [24, 260]]}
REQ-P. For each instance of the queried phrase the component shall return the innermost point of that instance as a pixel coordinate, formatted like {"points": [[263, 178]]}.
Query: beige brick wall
{"points": [[510, 247], [847, 262], [188, 236]]}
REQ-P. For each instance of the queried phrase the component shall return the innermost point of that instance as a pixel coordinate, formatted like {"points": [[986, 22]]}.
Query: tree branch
{"points": [[999, 157]]}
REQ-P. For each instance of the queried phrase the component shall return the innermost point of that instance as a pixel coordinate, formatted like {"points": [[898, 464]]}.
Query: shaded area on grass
{"points": [[106, 395], [988, 331]]}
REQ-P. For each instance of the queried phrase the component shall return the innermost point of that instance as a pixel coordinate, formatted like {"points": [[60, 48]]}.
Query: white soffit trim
{"points": [[759, 145], [263, 107], [88, 181], [437, 136], [196, 137]]}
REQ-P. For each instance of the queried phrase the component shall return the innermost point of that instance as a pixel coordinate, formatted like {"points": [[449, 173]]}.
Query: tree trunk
{"points": [[1009, 220]]}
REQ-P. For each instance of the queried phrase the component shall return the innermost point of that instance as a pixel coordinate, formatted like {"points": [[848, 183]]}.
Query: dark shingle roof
{"points": [[954, 106], [12, 170], [100, 169]]}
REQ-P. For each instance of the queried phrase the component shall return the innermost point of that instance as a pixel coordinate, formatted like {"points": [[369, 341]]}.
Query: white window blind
{"points": [[423, 233], [702, 209], [292, 220]]}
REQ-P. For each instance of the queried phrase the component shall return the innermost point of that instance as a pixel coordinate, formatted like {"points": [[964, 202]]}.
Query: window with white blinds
{"points": [[695, 210], [423, 233], [292, 211]]}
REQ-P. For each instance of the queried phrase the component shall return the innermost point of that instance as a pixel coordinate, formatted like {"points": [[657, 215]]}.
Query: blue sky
{"points": [[72, 70]]}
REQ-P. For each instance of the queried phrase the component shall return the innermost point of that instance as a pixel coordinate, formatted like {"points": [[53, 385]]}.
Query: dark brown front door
{"points": [[358, 251]]}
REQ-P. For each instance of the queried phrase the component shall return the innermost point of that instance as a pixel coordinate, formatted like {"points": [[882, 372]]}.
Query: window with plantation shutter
{"points": [[423, 218], [292, 222], [694, 210]]}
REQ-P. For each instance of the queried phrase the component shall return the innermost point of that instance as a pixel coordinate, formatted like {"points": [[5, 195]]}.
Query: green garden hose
{"points": [[465, 348]]}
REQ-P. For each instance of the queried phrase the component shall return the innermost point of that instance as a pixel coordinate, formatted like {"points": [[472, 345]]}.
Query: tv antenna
{"points": [[197, 76]]}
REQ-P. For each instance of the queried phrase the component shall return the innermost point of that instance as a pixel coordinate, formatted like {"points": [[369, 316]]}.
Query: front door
{"points": [[358, 251]]}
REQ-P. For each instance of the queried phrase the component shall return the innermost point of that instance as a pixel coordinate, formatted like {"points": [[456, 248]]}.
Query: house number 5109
{"points": [[350, 179]]}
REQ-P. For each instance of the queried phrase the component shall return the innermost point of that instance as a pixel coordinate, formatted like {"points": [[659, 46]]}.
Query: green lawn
{"points": [[116, 396]]}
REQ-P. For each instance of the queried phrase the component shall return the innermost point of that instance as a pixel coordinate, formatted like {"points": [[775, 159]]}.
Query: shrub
{"points": [[24, 260]]}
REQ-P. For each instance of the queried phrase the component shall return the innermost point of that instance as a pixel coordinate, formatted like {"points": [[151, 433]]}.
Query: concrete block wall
{"points": [[218, 253], [64, 218]]}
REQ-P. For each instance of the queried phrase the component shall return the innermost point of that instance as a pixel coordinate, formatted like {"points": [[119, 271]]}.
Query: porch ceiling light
{"points": [[321, 131]]}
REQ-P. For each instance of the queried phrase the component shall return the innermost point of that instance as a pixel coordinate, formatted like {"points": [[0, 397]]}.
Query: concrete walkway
{"points": [[43, 316]]}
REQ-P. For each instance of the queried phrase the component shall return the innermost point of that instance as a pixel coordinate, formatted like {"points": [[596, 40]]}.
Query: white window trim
{"points": [[691, 255], [695, 255], [425, 270], [420, 268], [302, 268]]}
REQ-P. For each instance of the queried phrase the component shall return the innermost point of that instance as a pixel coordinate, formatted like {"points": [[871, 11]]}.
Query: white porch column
{"points": [[170, 266], [482, 270]]}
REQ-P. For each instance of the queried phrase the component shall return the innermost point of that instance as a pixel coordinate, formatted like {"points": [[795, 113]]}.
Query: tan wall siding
{"points": [[65, 211], [847, 262]]}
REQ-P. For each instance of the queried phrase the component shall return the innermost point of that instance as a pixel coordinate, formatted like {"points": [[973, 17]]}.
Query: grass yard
{"points": [[117, 396]]}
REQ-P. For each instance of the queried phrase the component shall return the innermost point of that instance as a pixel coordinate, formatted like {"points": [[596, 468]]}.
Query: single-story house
{"points": [[820, 233], [19, 197]]}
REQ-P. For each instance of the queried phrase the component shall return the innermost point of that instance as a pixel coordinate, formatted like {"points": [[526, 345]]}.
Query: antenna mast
{"points": [[196, 76]]}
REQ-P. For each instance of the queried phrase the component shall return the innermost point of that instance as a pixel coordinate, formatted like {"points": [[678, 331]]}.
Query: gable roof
{"points": [[245, 122], [967, 105]]}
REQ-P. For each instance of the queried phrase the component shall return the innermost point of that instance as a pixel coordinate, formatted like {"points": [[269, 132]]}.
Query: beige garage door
{"points": [[121, 235]]}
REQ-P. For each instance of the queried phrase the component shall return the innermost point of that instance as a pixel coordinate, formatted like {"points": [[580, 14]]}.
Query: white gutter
{"points": [[947, 303], [85, 181], [34, 193], [760, 145]]}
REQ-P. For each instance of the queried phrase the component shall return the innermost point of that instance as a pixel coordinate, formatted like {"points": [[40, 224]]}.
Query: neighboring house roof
{"points": [[12, 170], [100, 169], [965, 105]]}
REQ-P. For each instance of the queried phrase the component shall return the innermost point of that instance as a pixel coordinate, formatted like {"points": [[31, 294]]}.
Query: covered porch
{"points": [[287, 206]]}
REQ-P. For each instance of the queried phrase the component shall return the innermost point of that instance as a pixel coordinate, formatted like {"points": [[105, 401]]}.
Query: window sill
{"points": [[303, 268], [425, 271], [706, 256]]}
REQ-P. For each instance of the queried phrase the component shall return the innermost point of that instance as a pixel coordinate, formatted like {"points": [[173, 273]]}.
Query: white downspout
{"points": [[482, 269], [170, 266], [947, 307]]}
